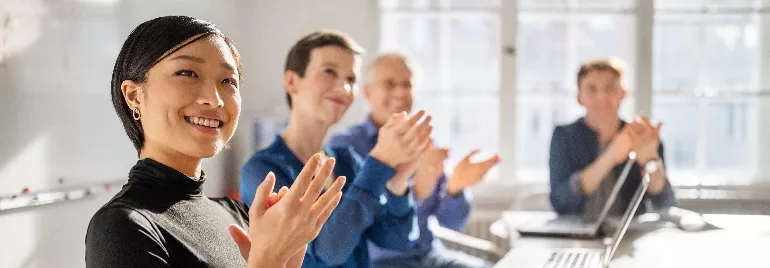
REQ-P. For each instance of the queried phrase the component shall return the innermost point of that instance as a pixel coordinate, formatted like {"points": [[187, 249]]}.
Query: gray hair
{"points": [[381, 57]]}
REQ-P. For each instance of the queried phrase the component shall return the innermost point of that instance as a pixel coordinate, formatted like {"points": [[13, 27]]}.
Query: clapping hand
{"points": [[282, 224], [429, 171], [467, 173], [645, 139], [401, 144]]}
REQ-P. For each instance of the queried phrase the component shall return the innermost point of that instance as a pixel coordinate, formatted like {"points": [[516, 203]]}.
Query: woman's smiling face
{"points": [[190, 101]]}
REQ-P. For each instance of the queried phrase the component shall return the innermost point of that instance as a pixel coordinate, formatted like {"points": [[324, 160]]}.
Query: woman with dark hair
{"points": [[175, 88]]}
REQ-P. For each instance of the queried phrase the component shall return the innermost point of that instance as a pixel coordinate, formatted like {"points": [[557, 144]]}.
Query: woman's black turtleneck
{"points": [[161, 218]]}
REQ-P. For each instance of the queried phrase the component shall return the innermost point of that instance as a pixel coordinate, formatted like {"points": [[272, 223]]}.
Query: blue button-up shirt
{"points": [[450, 211], [367, 211], [573, 148]]}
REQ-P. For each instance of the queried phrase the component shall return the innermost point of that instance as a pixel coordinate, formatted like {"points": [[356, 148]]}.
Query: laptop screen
{"points": [[630, 212], [616, 189]]}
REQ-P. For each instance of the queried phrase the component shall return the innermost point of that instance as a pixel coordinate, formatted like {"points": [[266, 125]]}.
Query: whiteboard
{"points": [[56, 61]]}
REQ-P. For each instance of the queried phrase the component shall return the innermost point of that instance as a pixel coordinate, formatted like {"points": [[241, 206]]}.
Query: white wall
{"points": [[57, 122]]}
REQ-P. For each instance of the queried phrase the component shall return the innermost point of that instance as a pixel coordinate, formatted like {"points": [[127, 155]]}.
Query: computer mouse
{"points": [[686, 220], [691, 222]]}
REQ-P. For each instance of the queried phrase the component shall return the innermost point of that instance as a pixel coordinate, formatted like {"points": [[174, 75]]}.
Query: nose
{"points": [[209, 95], [344, 85], [402, 91]]}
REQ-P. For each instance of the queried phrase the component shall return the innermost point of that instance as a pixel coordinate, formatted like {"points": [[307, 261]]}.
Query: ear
{"points": [[579, 97], [133, 93], [289, 82], [368, 92], [623, 93]]}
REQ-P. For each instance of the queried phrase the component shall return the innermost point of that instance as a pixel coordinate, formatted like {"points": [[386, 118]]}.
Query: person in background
{"points": [[388, 90], [587, 156], [320, 75], [175, 87]]}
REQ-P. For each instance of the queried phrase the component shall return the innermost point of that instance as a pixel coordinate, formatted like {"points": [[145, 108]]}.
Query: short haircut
{"points": [[614, 65], [149, 43], [299, 54], [376, 63]]}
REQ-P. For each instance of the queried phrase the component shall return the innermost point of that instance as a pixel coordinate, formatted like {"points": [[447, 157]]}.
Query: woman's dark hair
{"points": [[148, 44]]}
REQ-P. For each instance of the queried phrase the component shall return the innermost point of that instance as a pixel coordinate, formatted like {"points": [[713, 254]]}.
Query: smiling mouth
{"points": [[337, 101], [205, 122]]}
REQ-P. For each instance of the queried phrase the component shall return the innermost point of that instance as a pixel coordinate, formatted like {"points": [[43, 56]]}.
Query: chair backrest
{"points": [[532, 198]]}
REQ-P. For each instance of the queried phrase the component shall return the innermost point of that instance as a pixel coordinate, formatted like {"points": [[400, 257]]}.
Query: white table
{"points": [[745, 242]]}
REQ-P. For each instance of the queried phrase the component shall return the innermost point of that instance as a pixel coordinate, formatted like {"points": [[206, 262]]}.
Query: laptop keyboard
{"points": [[573, 259]]}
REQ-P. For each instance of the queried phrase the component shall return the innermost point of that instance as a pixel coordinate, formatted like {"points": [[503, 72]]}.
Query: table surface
{"points": [[742, 241]]}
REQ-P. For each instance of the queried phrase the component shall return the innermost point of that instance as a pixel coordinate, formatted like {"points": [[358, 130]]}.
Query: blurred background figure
{"points": [[587, 156], [389, 90]]}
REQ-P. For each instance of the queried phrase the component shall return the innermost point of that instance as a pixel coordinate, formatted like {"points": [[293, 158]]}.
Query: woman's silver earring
{"points": [[135, 114]]}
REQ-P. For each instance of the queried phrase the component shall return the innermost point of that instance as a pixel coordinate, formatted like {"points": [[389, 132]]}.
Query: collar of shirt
{"points": [[587, 129], [370, 127]]}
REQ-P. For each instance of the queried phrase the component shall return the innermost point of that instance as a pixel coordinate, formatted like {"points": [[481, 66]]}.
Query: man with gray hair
{"points": [[389, 90]]}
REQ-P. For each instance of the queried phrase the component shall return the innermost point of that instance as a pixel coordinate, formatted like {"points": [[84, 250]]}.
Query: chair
{"points": [[529, 198], [533, 198]]}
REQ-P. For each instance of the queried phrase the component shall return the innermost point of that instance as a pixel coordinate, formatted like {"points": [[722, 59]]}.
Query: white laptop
{"points": [[574, 225], [577, 257]]}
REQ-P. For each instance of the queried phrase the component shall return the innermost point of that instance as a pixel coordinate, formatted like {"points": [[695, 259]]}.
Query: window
{"points": [[706, 69], [705, 72], [552, 42], [552, 5]]}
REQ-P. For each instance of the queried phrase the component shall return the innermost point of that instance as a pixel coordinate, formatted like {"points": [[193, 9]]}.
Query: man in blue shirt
{"points": [[389, 90], [377, 204], [587, 156]]}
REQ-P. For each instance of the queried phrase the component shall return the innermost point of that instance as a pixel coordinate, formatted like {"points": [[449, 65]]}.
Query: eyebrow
{"points": [[201, 61], [329, 63], [189, 58]]}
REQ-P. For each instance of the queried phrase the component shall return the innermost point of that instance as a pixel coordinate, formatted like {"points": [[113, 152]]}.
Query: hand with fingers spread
{"points": [[401, 144], [467, 173], [429, 171], [282, 224]]}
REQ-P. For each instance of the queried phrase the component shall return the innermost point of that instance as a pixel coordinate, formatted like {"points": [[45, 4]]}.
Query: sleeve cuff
{"points": [[373, 176], [460, 199], [400, 206], [665, 199]]}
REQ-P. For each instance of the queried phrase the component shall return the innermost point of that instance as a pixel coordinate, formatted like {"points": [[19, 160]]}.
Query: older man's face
{"points": [[390, 89]]}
